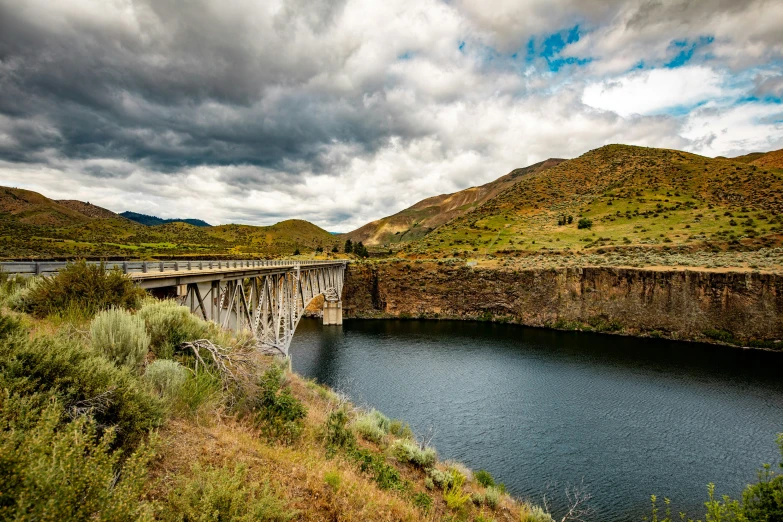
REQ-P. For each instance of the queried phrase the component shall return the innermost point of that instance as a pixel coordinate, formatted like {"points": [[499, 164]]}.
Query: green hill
{"points": [[34, 226], [630, 196], [427, 215]]}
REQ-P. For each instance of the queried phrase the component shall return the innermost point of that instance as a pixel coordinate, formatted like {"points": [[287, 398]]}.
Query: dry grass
{"points": [[302, 474]]}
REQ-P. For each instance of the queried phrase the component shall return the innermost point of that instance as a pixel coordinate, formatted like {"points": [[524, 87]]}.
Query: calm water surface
{"points": [[542, 409]]}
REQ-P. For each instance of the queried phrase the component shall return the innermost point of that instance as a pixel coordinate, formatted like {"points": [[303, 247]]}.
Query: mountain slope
{"points": [[34, 226], [772, 159], [88, 209], [144, 219], [631, 195], [283, 238], [426, 215], [32, 208], [745, 158]]}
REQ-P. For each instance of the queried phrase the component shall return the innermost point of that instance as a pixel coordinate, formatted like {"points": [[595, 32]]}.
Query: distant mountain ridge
{"points": [[151, 221]]}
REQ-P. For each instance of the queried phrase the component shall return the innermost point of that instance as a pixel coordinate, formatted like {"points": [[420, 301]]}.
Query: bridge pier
{"points": [[333, 312]]}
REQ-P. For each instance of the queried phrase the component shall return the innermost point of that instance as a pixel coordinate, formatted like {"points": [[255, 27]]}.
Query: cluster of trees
{"points": [[567, 220], [356, 248]]}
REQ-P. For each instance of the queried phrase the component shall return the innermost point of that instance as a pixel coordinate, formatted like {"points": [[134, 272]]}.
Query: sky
{"points": [[342, 112]]}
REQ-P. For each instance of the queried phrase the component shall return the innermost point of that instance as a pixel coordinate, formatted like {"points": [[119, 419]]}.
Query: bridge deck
{"points": [[156, 274]]}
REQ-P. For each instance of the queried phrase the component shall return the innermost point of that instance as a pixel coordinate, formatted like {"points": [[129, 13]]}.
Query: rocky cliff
{"points": [[732, 307]]}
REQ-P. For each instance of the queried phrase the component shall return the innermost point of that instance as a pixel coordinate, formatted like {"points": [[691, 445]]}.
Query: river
{"points": [[543, 410]]}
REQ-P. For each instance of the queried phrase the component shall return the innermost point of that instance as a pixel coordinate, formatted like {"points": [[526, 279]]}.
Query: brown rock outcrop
{"points": [[678, 304]]}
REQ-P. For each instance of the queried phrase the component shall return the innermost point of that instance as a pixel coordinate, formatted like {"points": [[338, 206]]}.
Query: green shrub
{"points": [[423, 501], [399, 428], [584, 223], [385, 475], [217, 494], [405, 450], [492, 497], [83, 381], [440, 478], [121, 337], [167, 377], [763, 501], [51, 469], [534, 514], [721, 336], [333, 480], [18, 295], [373, 426], [84, 287], [9, 285], [337, 435], [454, 496], [477, 499], [201, 389], [277, 412], [484, 478], [169, 325]]}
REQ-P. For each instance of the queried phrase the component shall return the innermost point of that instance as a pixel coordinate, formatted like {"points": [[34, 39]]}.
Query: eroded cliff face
{"points": [[680, 304]]}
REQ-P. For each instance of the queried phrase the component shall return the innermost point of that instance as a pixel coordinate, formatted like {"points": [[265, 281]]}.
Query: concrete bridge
{"points": [[267, 298]]}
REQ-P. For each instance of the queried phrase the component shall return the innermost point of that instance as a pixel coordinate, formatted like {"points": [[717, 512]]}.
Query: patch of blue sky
{"points": [[407, 55], [685, 50]]}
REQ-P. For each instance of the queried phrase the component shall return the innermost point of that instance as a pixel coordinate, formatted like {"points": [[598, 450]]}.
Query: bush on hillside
{"points": [[51, 469], [169, 325], [199, 391], [484, 478], [278, 413], [167, 377], [584, 223], [17, 294], [209, 494], [121, 337], [10, 285], [337, 435], [534, 514], [373, 426], [405, 450], [83, 381], [82, 289]]}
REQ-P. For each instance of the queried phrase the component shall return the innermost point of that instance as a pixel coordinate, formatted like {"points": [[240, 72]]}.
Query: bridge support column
{"points": [[333, 312]]}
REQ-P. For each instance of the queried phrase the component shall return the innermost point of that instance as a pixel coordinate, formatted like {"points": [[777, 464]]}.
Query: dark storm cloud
{"points": [[181, 86]]}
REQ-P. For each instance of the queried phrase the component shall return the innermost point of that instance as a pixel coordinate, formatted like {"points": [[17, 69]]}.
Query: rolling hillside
{"points": [[426, 215], [30, 208], [34, 226], [628, 196], [772, 159]]}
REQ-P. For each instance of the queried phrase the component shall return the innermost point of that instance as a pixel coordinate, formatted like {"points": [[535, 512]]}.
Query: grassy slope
{"points": [[302, 474], [34, 226], [426, 215], [772, 159], [633, 195]]}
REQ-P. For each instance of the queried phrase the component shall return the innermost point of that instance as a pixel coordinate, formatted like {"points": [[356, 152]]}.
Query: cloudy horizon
{"points": [[344, 112]]}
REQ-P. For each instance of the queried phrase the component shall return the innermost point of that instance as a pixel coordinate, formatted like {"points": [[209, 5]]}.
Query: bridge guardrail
{"points": [[131, 267]]}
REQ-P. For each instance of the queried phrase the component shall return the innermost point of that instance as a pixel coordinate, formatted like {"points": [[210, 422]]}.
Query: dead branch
{"points": [[231, 365], [98, 404], [578, 499]]}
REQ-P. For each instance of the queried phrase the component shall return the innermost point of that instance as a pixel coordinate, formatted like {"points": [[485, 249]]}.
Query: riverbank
{"points": [[742, 308]]}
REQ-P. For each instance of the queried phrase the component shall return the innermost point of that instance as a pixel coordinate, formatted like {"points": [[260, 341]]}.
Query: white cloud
{"points": [[655, 91]]}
